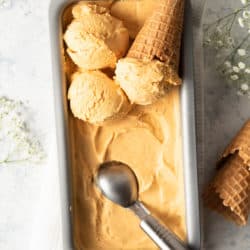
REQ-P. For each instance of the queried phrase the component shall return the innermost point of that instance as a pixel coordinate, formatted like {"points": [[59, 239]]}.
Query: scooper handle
{"points": [[162, 237]]}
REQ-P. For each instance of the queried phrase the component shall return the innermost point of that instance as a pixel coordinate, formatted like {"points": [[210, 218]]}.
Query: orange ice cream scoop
{"points": [[94, 38], [94, 97]]}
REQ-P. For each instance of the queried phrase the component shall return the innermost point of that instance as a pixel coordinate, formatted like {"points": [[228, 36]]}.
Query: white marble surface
{"points": [[29, 207], [225, 113]]}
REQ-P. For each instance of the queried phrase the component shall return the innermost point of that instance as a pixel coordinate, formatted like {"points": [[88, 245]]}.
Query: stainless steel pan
{"points": [[188, 127]]}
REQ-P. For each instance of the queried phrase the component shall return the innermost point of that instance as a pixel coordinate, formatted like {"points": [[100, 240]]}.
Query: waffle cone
{"points": [[160, 37], [240, 144], [229, 192]]}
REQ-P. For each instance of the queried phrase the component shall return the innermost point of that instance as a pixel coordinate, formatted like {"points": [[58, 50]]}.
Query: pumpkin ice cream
{"points": [[94, 97], [143, 80], [147, 138], [94, 38], [151, 66]]}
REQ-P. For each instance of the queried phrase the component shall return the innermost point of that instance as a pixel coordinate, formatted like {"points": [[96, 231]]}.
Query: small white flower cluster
{"points": [[244, 20], [239, 72], [5, 4], [232, 51], [219, 39], [16, 140], [245, 2]]}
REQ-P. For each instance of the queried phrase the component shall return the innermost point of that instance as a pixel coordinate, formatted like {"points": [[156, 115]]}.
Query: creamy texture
{"points": [[143, 81], [133, 13], [94, 97], [94, 38], [148, 139]]}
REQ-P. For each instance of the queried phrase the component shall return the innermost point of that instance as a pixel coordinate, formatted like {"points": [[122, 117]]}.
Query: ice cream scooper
{"points": [[118, 183]]}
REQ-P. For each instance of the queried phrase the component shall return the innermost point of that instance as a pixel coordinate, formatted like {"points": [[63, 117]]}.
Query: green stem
{"points": [[248, 47], [232, 23], [225, 17], [233, 53], [6, 161], [239, 46]]}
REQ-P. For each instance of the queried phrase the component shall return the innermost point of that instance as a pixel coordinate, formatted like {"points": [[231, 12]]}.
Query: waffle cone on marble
{"points": [[229, 192], [160, 37], [240, 144]]}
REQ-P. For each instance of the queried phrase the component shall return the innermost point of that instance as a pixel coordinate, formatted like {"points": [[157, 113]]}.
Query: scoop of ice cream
{"points": [[96, 5], [144, 81], [94, 97], [94, 38]]}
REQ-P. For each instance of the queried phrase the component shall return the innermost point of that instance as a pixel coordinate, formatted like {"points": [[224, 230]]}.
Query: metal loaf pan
{"points": [[188, 126]]}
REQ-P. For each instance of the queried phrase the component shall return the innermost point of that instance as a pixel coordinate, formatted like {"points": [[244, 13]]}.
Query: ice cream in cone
{"points": [[229, 192], [160, 37], [156, 47]]}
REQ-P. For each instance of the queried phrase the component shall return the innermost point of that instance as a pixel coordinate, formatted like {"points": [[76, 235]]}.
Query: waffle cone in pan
{"points": [[229, 192], [160, 37]]}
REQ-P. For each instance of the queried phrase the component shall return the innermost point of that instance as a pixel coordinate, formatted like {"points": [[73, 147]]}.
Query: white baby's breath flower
{"points": [[241, 52], [19, 142], [231, 47], [234, 77], [228, 64], [241, 22], [218, 30], [246, 14], [219, 43], [241, 65], [244, 86], [236, 69], [208, 41], [5, 4], [247, 70]]}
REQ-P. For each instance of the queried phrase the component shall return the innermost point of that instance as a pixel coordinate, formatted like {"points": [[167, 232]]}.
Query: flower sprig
{"points": [[232, 47], [5, 3], [17, 142]]}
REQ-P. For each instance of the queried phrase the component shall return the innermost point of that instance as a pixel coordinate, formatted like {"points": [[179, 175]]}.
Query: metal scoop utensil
{"points": [[118, 183]]}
